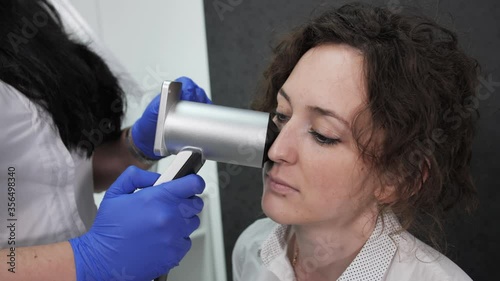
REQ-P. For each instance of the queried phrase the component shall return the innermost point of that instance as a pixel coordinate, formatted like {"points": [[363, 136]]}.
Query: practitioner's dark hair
{"points": [[71, 82]]}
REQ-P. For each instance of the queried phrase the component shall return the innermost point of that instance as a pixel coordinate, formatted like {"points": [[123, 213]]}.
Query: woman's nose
{"points": [[284, 148]]}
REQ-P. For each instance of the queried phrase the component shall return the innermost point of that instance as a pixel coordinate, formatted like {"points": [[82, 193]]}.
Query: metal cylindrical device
{"points": [[223, 134], [218, 133]]}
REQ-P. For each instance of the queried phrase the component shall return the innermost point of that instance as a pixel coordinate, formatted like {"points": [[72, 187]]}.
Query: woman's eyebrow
{"points": [[327, 112], [318, 110], [284, 94]]}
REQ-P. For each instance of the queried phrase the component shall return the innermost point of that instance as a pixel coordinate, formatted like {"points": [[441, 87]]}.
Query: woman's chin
{"points": [[277, 210]]}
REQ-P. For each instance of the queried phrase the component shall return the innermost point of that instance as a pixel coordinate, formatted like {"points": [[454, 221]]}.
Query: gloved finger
{"points": [[197, 203], [184, 187], [188, 88], [191, 225], [191, 91], [201, 96], [154, 107], [186, 82], [172, 254], [184, 245], [190, 207], [131, 179]]}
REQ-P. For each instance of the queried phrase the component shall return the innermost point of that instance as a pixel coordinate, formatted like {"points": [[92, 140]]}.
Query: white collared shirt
{"points": [[260, 254]]}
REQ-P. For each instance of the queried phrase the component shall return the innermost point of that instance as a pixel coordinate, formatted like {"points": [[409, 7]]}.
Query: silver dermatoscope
{"points": [[195, 132]]}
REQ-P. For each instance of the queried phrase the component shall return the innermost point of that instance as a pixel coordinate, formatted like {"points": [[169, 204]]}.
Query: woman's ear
{"points": [[424, 169], [386, 193]]}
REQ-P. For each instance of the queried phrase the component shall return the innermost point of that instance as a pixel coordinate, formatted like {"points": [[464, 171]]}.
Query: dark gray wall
{"points": [[240, 33]]}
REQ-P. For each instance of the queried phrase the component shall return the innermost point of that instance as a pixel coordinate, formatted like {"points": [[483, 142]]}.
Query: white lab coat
{"points": [[53, 188]]}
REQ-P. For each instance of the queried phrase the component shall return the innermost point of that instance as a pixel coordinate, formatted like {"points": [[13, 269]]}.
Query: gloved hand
{"points": [[141, 235], [144, 129]]}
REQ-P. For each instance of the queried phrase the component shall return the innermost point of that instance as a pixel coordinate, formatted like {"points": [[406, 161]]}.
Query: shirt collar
{"points": [[273, 253], [371, 263], [376, 255]]}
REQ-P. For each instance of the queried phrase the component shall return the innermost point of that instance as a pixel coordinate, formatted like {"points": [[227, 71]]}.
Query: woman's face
{"points": [[317, 174]]}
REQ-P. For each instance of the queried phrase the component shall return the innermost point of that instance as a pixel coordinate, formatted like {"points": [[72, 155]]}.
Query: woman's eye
{"points": [[280, 117], [322, 139]]}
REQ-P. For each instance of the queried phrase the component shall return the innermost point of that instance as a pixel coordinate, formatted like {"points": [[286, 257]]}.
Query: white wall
{"points": [[158, 40]]}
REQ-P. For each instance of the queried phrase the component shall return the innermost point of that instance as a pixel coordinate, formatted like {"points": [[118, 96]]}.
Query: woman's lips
{"points": [[279, 186]]}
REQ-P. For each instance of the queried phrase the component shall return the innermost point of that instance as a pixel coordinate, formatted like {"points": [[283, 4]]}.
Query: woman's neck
{"points": [[324, 250]]}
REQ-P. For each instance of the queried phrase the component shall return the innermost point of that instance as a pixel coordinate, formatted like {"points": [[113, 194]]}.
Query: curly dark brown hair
{"points": [[416, 77]]}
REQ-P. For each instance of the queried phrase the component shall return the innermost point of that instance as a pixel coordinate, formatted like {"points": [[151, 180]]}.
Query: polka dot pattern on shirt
{"points": [[374, 258]]}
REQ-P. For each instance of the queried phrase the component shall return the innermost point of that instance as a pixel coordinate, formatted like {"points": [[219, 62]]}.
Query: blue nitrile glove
{"points": [[141, 235], [144, 129]]}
